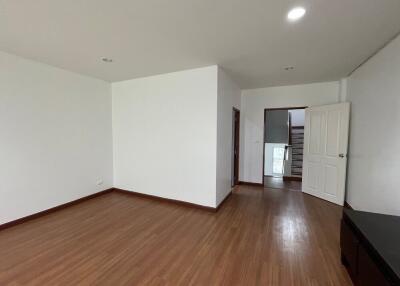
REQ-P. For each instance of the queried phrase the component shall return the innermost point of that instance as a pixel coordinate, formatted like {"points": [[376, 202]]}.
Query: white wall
{"points": [[254, 102], [165, 135], [298, 117], [374, 154], [55, 129], [228, 97]]}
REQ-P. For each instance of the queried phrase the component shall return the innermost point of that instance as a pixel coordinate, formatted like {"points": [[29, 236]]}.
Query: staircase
{"points": [[297, 138]]}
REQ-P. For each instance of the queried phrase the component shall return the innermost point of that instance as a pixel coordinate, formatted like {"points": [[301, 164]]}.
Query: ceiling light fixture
{"points": [[107, 60], [296, 14]]}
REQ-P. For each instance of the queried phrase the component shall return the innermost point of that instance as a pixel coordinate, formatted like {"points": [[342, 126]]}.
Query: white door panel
{"points": [[325, 151]]}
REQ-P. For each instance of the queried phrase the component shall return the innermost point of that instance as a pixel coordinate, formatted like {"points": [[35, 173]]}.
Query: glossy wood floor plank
{"points": [[279, 183], [259, 237]]}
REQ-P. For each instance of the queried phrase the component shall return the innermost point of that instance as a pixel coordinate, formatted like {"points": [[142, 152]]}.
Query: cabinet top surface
{"points": [[382, 232]]}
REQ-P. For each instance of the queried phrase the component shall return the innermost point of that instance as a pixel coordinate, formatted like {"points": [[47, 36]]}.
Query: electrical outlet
{"points": [[99, 182]]}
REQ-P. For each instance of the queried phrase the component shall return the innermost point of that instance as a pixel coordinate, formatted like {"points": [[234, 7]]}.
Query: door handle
{"points": [[341, 155]]}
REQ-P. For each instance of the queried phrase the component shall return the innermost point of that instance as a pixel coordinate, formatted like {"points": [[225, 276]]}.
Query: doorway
{"points": [[235, 146], [283, 148]]}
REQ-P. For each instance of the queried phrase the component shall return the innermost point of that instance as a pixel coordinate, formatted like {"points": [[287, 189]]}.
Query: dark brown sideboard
{"points": [[370, 246]]}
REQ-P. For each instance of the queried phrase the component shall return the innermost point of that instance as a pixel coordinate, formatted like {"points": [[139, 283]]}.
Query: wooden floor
{"points": [[279, 183], [259, 237]]}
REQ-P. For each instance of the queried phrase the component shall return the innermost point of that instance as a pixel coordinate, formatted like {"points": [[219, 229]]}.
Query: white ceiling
{"points": [[250, 39]]}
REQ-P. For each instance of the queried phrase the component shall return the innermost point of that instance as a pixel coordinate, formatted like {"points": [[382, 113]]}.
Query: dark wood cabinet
{"points": [[370, 246], [369, 272], [349, 245]]}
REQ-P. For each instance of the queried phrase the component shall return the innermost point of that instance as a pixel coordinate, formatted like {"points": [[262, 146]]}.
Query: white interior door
{"points": [[325, 151]]}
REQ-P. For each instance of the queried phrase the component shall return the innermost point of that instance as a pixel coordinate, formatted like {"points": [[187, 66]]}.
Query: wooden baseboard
{"points": [[54, 209], [165, 200], [223, 201], [347, 206], [251, 184], [182, 203], [292, 178], [63, 206]]}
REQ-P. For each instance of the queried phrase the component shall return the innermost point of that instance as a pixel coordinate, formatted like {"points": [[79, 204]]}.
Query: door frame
{"points": [[264, 132], [235, 147]]}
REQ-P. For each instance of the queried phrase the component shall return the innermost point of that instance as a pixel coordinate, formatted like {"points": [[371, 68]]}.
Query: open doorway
{"points": [[235, 146], [283, 148]]}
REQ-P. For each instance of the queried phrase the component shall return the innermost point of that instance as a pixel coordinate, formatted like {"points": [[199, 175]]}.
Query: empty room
{"points": [[200, 142]]}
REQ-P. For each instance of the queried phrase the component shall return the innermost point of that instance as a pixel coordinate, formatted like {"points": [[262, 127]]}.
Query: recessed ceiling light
{"points": [[107, 60], [296, 14]]}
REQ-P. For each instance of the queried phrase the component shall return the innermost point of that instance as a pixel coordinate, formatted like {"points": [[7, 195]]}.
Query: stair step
{"points": [[297, 156], [297, 136]]}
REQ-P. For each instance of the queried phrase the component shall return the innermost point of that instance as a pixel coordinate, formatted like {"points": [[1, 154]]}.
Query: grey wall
{"points": [[276, 126], [374, 156]]}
